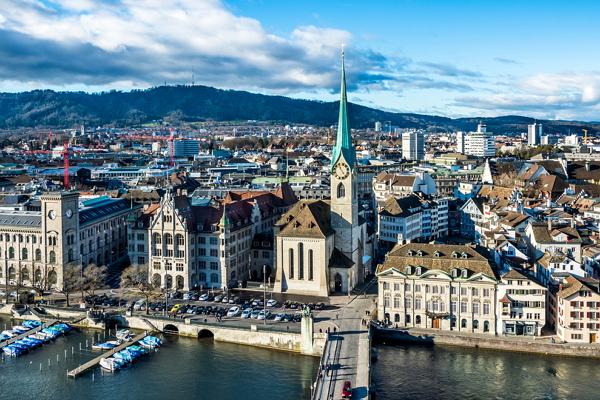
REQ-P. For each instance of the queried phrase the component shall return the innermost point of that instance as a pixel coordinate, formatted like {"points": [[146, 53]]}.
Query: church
{"points": [[321, 244]]}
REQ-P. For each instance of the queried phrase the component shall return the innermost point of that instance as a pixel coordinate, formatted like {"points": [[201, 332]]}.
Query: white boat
{"points": [[106, 345], [8, 333], [111, 364], [124, 334]]}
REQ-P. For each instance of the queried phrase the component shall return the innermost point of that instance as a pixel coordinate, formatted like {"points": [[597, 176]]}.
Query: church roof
{"points": [[308, 218], [343, 142]]}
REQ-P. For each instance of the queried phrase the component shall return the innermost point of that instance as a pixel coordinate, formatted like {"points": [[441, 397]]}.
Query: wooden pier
{"points": [[29, 332], [74, 373]]}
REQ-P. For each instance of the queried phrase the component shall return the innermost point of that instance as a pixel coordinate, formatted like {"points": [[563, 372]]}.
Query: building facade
{"points": [[578, 310], [439, 287], [413, 146], [38, 245]]}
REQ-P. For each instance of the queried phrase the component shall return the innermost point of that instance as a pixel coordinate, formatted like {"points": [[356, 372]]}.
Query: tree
{"points": [[72, 281], [94, 279], [137, 277]]}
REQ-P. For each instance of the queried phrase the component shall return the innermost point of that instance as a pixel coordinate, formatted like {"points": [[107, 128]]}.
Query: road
{"points": [[349, 351]]}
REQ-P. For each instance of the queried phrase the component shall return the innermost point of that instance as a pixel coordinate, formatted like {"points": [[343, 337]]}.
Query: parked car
{"points": [[272, 303], [234, 311], [218, 298], [254, 314], [246, 313], [279, 317], [203, 297], [347, 390], [175, 308], [319, 306]]}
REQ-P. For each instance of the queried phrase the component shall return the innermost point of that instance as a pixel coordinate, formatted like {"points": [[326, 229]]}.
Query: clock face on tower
{"points": [[69, 213], [52, 214], [341, 171]]}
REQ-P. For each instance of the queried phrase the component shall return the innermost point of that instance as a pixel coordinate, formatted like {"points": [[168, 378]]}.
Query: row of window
{"points": [[438, 305], [292, 270], [435, 289]]}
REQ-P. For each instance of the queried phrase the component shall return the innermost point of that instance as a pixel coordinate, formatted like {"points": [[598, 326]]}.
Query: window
{"points": [[463, 323], [396, 301], [52, 257], [156, 238], [168, 238], [291, 262], [475, 308], [386, 301], [38, 255], [310, 265], [341, 191], [300, 261], [486, 292], [11, 253], [24, 254], [486, 308], [417, 304], [453, 307], [463, 307]]}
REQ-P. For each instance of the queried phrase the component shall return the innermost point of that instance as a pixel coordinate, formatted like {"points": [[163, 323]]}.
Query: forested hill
{"points": [[46, 108]]}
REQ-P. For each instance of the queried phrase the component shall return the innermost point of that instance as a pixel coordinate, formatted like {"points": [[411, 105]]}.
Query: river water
{"points": [[183, 368], [416, 372]]}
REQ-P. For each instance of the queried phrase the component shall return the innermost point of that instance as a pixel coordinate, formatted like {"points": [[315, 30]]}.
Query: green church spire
{"points": [[343, 141]]}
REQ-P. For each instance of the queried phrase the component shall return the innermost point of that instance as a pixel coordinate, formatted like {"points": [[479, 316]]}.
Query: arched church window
{"points": [[341, 190]]}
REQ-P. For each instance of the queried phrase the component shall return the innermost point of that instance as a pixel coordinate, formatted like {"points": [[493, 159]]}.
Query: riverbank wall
{"points": [[499, 343], [253, 335]]}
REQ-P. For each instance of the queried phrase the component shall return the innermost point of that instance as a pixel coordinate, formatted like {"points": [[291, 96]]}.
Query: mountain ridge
{"points": [[48, 108]]}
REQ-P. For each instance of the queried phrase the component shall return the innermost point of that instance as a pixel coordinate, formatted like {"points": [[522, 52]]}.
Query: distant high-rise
{"points": [[413, 146], [480, 143], [377, 126], [534, 134]]}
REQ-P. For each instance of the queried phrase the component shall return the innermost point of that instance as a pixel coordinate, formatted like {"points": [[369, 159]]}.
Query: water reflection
{"points": [[454, 373]]}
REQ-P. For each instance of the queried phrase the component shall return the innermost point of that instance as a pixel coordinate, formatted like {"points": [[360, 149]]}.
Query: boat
{"points": [[19, 329], [150, 342], [124, 334], [106, 345], [111, 364], [8, 333], [124, 355], [12, 350], [30, 323]]}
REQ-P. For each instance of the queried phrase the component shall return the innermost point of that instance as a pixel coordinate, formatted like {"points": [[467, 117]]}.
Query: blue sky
{"points": [[453, 58]]}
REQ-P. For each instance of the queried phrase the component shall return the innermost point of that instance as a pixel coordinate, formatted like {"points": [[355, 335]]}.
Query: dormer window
{"points": [[408, 270], [455, 273], [418, 270], [465, 273], [409, 253], [454, 254], [296, 224], [420, 253], [436, 254], [464, 255]]}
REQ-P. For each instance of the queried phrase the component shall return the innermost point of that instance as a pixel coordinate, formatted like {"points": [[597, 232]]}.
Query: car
{"points": [[254, 314], [203, 297], [279, 317], [297, 318], [175, 308], [319, 306], [234, 311], [347, 390], [293, 305], [186, 296], [254, 302], [218, 298], [287, 318], [225, 300], [272, 303], [263, 315]]}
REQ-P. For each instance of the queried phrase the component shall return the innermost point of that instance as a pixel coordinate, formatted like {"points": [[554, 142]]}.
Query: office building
{"points": [[413, 146], [534, 134]]}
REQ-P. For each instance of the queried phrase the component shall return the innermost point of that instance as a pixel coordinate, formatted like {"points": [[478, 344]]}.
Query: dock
{"points": [[29, 332], [74, 373]]}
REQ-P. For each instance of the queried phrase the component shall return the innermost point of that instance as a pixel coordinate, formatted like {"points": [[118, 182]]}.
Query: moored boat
{"points": [[111, 364]]}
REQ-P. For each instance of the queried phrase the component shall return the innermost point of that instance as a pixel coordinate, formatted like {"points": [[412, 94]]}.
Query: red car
{"points": [[347, 390]]}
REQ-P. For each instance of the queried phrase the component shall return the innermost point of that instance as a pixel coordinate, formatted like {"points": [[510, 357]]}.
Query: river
{"points": [[183, 368], [416, 372]]}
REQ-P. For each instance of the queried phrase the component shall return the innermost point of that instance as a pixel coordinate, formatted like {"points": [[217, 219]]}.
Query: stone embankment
{"points": [[500, 343]]}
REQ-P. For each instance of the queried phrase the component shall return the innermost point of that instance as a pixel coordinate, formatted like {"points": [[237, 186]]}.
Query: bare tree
{"points": [[72, 281], [136, 277], [94, 279]]}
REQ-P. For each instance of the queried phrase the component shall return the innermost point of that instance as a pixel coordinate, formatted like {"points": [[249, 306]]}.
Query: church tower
{"points": [[344, 201]]}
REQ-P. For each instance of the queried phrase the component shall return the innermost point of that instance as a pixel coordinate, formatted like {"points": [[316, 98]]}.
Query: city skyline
{"points": [[454, 59]]}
